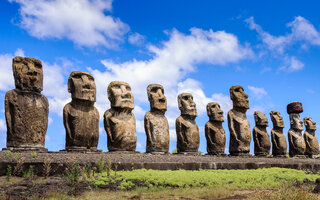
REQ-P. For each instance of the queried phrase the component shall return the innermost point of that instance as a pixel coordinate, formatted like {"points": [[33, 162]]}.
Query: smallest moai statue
{"points": [[260, 135], [279, 142], [297, 145], [312, 143], [215, 134], [187, 131]]}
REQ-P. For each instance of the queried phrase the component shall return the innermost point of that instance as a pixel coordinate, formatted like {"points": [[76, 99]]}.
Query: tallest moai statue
{"points": [[239, 126], [26, 109]]}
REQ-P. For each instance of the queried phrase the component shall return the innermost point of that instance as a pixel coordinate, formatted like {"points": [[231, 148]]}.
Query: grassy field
{"points": [[268, 183]]}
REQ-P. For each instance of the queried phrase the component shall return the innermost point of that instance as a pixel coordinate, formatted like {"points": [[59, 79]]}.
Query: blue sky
{"points": [[271, 48]]}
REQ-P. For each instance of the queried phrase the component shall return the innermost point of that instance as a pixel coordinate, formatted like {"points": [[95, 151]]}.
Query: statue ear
{"points": [[70, 85], [179, 103]]}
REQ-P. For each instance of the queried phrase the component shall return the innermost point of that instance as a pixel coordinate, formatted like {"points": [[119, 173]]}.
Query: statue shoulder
{"points": [[107, 114]]}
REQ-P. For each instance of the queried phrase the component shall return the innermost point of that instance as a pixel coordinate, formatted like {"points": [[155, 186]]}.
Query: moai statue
{"points": [[279, 142], [80, 117], [261, 137], [119, 121], [215, 134], [297, 145], [26, 109], [187, 131], [155, 123], [312, 144], [239, 126]]}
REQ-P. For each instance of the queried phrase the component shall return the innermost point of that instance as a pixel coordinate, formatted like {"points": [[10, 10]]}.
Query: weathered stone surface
{"points": [[155, 123], [297, 145], [239, 126], [294, 107], [312, 143], [26, 109], [187, 131], [279, 142], [261, 137], [215, 134], [80, 117], [119, 121]]}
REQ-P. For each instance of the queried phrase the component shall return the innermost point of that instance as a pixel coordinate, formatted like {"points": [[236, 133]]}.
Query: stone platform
{"points": [[128, 161]]}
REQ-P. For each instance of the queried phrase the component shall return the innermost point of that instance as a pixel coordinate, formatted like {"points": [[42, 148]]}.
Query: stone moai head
{"points": [[276, 119], [310, 124], [27, 74], [214, 112], [187, 105], [81, 86], [239, 97], [293, 109], [120, 95], [260, 119], [156, 97], [295, 122]]}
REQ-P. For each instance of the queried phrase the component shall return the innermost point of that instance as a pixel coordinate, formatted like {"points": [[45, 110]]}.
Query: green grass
{"points": [[259, 178]]}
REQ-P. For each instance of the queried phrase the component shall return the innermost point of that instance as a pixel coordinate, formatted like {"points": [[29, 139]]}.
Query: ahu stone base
{"points": [[59, 161]]}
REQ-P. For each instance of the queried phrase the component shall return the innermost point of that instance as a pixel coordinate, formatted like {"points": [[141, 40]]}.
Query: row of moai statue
{"points": [[26, 112]]}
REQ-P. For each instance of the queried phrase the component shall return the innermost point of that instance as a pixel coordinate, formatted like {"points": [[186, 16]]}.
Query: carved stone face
{"points": [[276, 119], [239, 97], [186, 104], [120, 95], [260, 119], [214, 112], [295, 122], [310, 124], [81, 86], [27, 74], [156, 97]]}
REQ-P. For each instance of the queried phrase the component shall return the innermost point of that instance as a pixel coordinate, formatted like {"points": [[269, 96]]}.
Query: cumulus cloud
{"points": [[84, 21], [291, 64], [171, 61], [272, 42], [136, 39], [55, 87], [257, 93], [302, 32]]}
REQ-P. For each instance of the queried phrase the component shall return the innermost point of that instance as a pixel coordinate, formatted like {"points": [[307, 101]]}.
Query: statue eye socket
{"points": [[128, 88], [38, 65], [116, 86], [154, 90], [77, 76], [185, 98]]}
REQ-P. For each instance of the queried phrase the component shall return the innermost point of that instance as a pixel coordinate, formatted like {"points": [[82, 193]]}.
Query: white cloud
{"points": [[55, 87], [83, 21], [257, 93], [273, 43], [302, 33], [170, 63], [3, 126], [291, 64], [6, 75], [136, 39], [302, 29]]}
